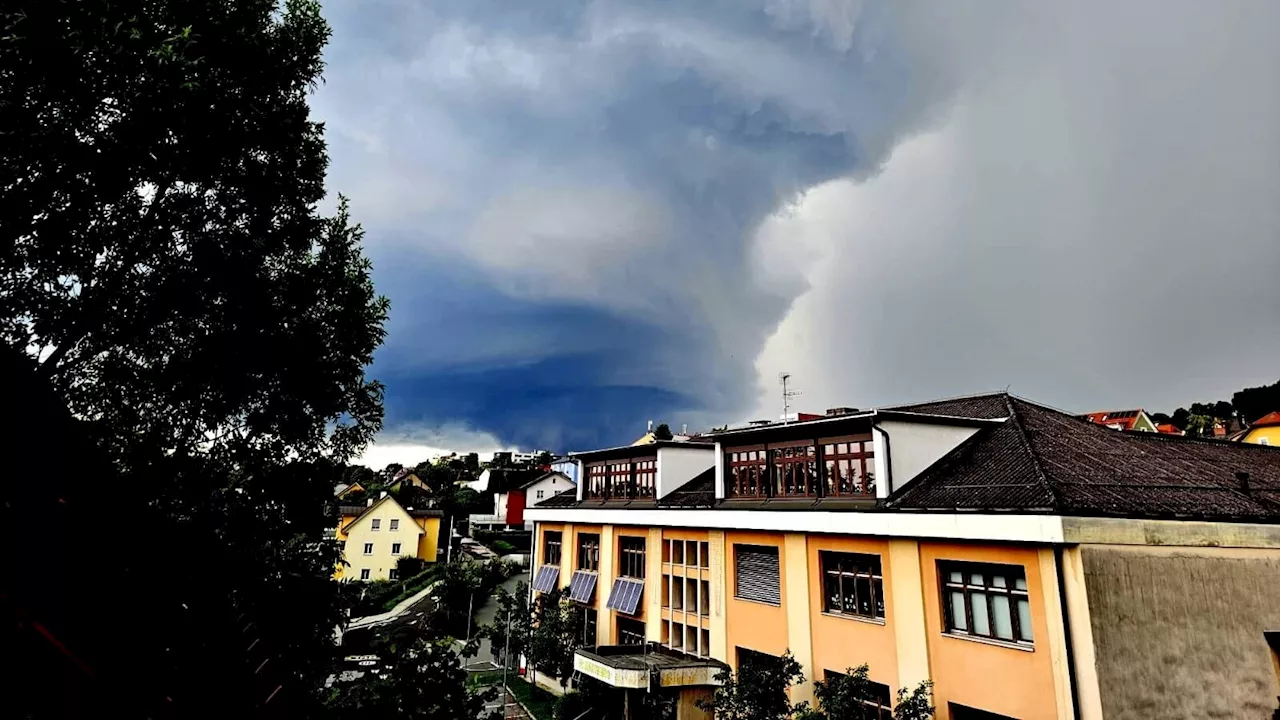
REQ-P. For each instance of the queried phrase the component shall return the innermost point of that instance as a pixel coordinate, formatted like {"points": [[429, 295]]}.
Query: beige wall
{"points": [[1178, 632]]}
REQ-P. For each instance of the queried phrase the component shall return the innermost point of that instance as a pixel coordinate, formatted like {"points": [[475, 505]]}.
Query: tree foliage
{"points": [[165, 270], [916, 703], [424, 680], [759, 689], [512, 627], [557, 632]]}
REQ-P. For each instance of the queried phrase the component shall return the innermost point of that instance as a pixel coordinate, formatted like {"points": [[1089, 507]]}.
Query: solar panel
{"points": [[625, 596], [581, 586], [546, 579]]}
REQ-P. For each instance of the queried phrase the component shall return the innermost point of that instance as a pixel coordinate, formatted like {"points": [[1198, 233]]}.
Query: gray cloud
{"points": [[1095, 222], [620, 202]]}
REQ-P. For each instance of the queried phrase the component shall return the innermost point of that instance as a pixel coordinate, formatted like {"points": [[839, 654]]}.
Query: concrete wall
{"points": [[1178, 632], [677, 466], [913, 447]]}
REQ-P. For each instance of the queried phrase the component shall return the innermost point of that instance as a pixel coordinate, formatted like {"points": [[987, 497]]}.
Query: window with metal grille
{"points": [[876, 697], [849, 468], [748, 473], [852, 584], [986, 600], [630, 632], [756, 574], [631, 557], [796, 470], [588, 551], [550, 547]]}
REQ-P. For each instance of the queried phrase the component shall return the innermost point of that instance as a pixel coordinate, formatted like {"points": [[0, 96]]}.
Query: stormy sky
{"points": [[592, 214]]}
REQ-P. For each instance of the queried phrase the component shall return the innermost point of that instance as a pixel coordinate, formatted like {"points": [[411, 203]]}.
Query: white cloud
{"points": [[412, 444]]}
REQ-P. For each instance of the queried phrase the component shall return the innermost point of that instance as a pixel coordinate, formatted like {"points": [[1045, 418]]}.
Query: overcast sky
{"points": [[592, 214]]}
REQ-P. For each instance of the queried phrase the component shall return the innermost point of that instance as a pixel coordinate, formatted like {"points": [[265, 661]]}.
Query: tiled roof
{"points": [[1268, 419], [698, 492], [1126, 419], [566, 498], [1045, 460], [988, 406]]}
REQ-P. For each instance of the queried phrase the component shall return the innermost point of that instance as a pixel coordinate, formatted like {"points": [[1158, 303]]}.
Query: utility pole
{"points": [[448, 552]]}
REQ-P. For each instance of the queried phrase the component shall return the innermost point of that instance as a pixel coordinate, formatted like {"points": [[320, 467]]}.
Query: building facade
{"points": [[377, 534], [1030, 564]]}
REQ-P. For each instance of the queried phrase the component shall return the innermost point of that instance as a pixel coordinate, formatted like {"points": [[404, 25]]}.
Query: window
{"points": [[630, 478], [984, 600], [849, 467], [877, 698], [704, 649], [852, 584], [646, 472], [704, 598], [550, 547], [540, 494], [395, 525], [588, 551], [395, 548], [960, 712], [756, 574], [589, 626], [631, 557], [630, 632], [704, 554], [749, 473], [796, 468], [392, 574], [376, 524], [368, 548], [364, 574]]}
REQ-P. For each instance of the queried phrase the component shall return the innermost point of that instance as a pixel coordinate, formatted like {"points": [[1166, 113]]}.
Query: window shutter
{"points": [[757, 576]]}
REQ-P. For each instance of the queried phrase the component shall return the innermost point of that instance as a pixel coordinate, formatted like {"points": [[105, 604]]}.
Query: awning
{"points": [[645, 666]]}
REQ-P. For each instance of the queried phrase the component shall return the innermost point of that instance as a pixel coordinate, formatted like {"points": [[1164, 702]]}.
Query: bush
{"points": [[407, 566]]}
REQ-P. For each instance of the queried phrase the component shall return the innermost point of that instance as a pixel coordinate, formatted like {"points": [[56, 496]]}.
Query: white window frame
{"points": [[375, 524], [368, 548], [364, 574], [395, 548]]}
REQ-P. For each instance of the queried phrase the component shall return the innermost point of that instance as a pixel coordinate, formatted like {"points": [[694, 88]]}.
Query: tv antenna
{"points": [[784, 377]]}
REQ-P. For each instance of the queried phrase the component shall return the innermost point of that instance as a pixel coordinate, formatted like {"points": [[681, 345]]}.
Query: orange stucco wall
{"points": [[754, 625], [842, 642], [964, 671]]}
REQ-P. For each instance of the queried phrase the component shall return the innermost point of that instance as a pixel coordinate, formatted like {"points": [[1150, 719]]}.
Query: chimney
{"points": [[384, 493], [684, 429], [1243, 477], [832, 412], [370, 502], [650, 426]]}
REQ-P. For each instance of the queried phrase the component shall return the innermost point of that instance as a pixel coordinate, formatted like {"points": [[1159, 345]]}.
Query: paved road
{"points": [[486, 614]]}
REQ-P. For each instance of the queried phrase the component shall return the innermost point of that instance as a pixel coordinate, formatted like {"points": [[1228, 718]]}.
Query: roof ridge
{"points": [[1016, 418]]}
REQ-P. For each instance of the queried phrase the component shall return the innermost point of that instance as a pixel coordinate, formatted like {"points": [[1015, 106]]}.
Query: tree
{"points": [[1254, 402], [557, 632], [759, 689], [512, 626], [1181, 417], [408, 565], [841, 696], [424, 680], [662, 432], [165, 269], [916, 703]]}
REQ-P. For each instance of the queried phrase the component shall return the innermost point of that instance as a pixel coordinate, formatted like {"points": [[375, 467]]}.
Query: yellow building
{"points": [[1263, 431], [377, 534], [1029, 563]]}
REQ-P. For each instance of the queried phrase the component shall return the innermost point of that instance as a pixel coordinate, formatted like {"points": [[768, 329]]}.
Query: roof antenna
{"points": [[783, 377]]}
